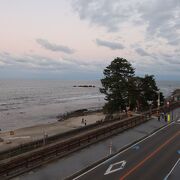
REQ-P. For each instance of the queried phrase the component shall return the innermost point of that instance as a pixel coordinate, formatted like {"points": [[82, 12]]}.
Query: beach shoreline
{"points": [[45, 114], [24, 135], [25, 103]]}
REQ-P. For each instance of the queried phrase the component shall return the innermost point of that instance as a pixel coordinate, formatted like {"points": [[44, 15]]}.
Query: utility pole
{"points": [[158, 100], [158, 104]]}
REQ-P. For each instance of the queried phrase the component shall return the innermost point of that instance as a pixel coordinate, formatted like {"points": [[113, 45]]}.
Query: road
{"points": [[75, 162], [151, 158]]}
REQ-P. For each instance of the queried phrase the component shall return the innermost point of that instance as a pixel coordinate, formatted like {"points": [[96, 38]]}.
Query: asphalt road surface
{"points": [[155, 157]]}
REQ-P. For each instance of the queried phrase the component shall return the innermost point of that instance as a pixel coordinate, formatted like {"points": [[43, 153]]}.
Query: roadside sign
{"points": [[169, 119]]}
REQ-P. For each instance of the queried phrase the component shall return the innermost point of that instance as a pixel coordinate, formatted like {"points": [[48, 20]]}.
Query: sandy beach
{"points": [[28, 134]]}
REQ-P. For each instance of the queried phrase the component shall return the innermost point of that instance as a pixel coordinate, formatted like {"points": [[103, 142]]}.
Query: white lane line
{"points": [[172, 169], [122, 151]]}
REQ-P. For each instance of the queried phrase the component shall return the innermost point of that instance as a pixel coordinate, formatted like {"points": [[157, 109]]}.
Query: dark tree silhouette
{"points": [[115, 84], [122, 89]]}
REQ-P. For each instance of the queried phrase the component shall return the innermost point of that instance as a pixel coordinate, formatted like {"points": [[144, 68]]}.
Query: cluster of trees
{"points": [[123, 89]]}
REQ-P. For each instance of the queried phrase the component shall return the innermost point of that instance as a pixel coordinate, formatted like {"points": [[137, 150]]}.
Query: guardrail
{"points": [[27, 161]]}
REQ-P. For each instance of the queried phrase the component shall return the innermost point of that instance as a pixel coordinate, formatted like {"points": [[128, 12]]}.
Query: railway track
{"points": [[27, 161]]}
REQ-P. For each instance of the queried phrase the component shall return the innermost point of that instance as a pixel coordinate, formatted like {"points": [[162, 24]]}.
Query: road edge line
{"points": [[171, 170], [87, 169]]}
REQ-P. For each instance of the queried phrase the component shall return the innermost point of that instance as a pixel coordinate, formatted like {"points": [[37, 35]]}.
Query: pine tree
{"points": [[116, 83]]}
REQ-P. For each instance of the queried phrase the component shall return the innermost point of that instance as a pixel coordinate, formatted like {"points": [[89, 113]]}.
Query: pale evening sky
{"points": [[77, 39]]}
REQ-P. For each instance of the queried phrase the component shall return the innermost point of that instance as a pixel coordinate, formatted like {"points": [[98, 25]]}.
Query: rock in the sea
{"points": [[87, 86], [75, 113]]}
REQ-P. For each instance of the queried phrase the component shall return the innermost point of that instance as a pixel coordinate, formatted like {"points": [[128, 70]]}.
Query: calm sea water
{"points": [[30, 102]]}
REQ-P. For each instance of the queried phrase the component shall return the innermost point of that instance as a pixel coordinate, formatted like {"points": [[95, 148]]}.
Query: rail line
{"points": [[25, 162]]}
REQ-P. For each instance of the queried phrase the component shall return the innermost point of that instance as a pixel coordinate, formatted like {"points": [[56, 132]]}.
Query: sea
{"points": [[26, 103]]}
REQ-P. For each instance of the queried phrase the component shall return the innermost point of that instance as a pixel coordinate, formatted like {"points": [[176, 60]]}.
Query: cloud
{"points": [[30, 61], [171, 59], [109, 14], [177, 50], [174, 41], [41, 67], [54, 47], [160, 66], [142, 52], [38, 62], [160, 18], [33, 61], [109, 44], [156, 23]]}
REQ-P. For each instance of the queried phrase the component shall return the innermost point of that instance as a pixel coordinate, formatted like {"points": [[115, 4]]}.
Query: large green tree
{"points": [[122, 89], [115, 84]]}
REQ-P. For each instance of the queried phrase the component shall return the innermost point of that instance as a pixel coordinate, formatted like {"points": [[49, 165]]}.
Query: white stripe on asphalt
{"points": [[121, 152], [172, 170]]}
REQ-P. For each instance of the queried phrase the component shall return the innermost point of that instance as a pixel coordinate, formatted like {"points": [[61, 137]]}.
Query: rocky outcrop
{"points": [[86, 86]]}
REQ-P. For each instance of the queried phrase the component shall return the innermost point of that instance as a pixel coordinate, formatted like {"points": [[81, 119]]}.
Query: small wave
{"points": [[86, 97], [10, 104], [7, 109], [2, 110], [22, 98]]}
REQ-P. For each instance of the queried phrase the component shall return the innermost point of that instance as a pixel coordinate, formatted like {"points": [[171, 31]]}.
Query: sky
{"points": [[77, 39]]}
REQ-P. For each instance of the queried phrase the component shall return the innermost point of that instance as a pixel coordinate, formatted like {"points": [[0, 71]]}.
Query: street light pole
{"points": [[158, 104], [172, 108], [158, 100]]}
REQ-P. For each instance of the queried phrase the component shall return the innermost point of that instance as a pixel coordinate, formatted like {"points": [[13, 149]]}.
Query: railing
{"points": [[22, 163]]}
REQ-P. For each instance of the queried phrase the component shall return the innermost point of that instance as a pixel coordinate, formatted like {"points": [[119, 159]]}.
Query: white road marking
{"points": [[172, 169], [121, 152], [111, 170]]}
